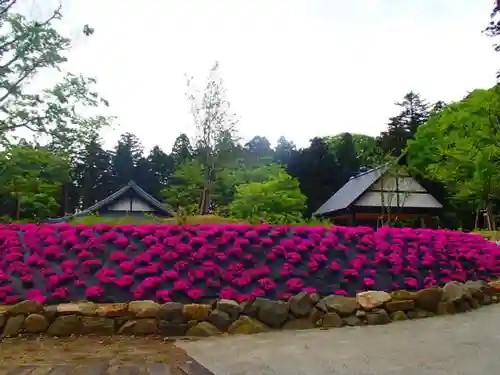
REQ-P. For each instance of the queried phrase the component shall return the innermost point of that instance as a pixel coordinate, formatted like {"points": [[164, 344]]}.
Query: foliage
{"points": [[275, 200], [461, 148], [181, 150], [27, 49], [185, 187], [32, 176], [493, 28], [401, 128], [229, 261]]}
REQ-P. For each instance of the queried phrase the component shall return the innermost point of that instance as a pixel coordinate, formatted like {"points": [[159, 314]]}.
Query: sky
{"points": [[293, 68]]}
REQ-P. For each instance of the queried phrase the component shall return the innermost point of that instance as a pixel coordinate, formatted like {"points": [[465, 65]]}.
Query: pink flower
{"points": [[295, 285], [180, 285], [118, 256], [257, 292], [368, 282], [411, 282], [35, 295], [94, 292], [170, 275], [124, 281], [127, 266], [286, 270], [195, 294], [334, 266], [151, 282], [60, 293], [121, 242], [227, 293], [309, 290], [163, 295], [267, 284]]}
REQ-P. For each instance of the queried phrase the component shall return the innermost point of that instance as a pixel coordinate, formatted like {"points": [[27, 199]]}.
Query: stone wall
{"points": [[301, 311]]}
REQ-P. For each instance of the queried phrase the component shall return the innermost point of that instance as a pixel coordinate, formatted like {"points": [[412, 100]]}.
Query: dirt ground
{"points": [[118, 350]]}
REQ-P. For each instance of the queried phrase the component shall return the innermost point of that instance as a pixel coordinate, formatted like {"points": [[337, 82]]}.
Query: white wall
{"points": [[374, 199], [403, 184], [137, 206]]}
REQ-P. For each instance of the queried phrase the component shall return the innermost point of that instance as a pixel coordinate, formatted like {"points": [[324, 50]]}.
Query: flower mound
{"points": [[62, 262]]}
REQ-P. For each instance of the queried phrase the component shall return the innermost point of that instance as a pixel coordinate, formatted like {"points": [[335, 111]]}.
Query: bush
{"points": [[64, 262]]}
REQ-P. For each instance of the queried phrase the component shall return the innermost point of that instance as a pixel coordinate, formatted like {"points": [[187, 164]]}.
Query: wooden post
{"points": [[353, 218]]}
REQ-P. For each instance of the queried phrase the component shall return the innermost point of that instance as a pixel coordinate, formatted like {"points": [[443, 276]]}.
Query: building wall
{"points": [[137, 206], [402, 184], [390, 199]]}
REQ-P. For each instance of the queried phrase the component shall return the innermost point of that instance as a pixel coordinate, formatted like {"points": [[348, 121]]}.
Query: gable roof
{"points": [[351, 191], [131, 186]]}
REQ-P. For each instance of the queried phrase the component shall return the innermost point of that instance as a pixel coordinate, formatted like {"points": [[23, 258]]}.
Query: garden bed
{"points": [[56, 263]]}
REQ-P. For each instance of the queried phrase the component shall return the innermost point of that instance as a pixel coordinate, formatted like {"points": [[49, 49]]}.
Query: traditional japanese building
{"points": [[376, 195], [130, 200]]}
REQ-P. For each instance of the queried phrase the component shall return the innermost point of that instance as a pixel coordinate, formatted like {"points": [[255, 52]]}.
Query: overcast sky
{"points": [[297, 68]]}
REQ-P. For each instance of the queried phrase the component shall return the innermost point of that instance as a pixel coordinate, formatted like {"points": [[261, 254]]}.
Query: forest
{"points": [[53, 162]]}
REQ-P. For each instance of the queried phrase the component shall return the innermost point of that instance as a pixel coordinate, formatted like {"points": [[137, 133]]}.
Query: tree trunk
{"points": [[18, 207], [489, 216]]}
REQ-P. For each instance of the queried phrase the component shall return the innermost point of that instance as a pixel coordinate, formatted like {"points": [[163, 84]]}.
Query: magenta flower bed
{"points": [[61, 262]]}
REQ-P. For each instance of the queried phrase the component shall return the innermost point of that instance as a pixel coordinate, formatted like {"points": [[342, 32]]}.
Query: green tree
{"points": [[401, 128], [460, 146], [181, 150], [185, 186], [256, 149], [228, 179], [277, 200], [29, 48], [284, 151], [160, 168], [93, 174], [32, 176], [127, 160], [317, 170]]}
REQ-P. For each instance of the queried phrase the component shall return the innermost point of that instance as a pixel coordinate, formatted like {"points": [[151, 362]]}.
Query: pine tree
{"points": [[92, 174], [401, 128], [181, 150], [126, 160]]}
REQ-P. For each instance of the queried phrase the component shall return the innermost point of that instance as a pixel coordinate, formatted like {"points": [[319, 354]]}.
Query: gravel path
{"points": [[461, 344]]}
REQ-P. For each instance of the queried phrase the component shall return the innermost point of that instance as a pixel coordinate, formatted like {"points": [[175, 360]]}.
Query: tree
{"points": [[185, 186], [32, 176], [181, 150], [126, 159], [460, 147], [318, 172], [493, 28], [28, 48], [346, 156], [93, 174], [277, 200], [403, 127], [160, 168], [284, 151], [256, 149], [213, 121], [228, 179]]}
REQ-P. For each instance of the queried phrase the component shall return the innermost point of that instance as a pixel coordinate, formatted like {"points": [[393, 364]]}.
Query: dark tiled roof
{"points": [[351, 191], [160, 207]]}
